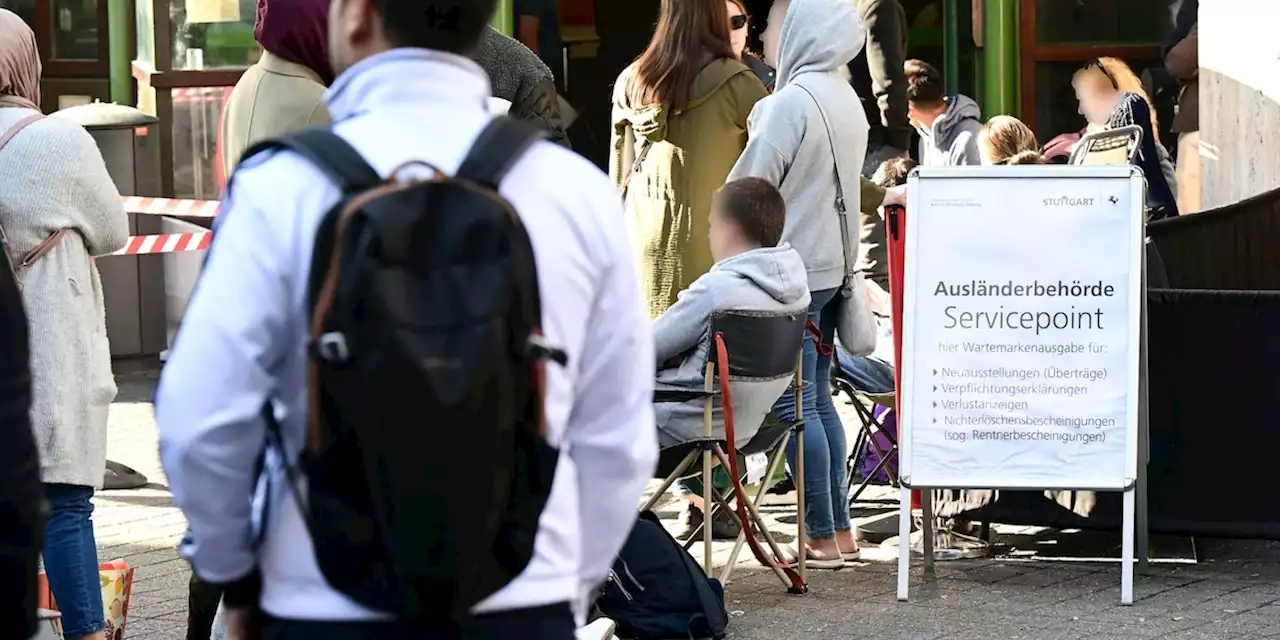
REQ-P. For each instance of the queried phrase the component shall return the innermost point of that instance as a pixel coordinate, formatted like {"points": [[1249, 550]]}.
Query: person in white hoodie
{"points": [[811, 130], [406, 92], [754, 271]]}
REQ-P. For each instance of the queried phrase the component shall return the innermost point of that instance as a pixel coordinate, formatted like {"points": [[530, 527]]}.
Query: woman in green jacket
{"points": [[679, 124]]}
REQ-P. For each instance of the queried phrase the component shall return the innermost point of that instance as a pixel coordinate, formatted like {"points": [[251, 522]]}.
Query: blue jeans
{"points": [[826, 501], [71, 559]]}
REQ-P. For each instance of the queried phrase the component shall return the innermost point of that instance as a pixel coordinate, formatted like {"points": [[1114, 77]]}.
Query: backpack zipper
{"points": [[627, 570], [613, 577]]}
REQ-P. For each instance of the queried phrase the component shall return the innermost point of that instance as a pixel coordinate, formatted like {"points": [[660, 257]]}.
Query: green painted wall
{"points": [[1000, 68], [951, 45], [120, 61], [503, 18]]}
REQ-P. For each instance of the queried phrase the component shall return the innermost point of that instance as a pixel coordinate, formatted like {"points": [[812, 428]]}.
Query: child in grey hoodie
{"points": [[754, 271], [811, 130]]}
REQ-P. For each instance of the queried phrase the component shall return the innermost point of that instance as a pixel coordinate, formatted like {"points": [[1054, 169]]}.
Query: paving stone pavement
{"points": [[1232, 595]]}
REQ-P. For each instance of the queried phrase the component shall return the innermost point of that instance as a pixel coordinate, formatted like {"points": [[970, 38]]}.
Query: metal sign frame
{"points": [[1136, 431]]}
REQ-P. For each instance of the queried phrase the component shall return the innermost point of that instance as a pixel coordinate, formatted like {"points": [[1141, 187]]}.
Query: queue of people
{"points": [[730, 171]]}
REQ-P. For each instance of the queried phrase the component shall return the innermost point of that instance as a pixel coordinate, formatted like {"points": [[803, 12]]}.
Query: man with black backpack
{"points": [[426, 331]]}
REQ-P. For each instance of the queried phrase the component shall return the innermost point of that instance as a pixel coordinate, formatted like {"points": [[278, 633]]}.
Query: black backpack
{"points": [[426, 465], [656, 590]]}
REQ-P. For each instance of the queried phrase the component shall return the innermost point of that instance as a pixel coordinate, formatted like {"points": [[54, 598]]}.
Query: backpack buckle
{"points": [[331, 347], [540, 349]]}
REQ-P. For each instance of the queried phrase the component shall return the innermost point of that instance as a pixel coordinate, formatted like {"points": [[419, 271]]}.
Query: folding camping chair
{"points": [[864, 403], [745, 346], [1112, 146]]}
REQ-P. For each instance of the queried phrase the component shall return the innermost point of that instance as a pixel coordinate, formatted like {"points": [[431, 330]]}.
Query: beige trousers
{"points": [[1188, 172]]}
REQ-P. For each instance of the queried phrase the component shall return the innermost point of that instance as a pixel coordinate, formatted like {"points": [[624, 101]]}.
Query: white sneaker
{"points": [[601, 629]]}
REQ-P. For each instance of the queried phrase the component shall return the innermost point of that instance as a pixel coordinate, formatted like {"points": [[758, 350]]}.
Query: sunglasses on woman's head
{"points": [[737, 22], [1097, 64]]}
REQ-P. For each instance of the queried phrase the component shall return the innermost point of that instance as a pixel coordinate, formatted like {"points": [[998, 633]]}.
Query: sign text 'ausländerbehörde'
{"points": [[1019, 336]]}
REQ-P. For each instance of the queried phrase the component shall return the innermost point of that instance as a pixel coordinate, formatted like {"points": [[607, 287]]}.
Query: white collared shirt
{"points": [[243, 340]]}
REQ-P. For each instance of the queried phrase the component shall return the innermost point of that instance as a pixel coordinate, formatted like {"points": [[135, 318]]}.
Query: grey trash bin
{"points": [[132, 285]]}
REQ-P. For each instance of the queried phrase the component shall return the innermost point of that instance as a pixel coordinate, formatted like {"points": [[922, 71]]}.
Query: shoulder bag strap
{"points": [[18, 127], [50, 242], [850, 256], [636, 166], [42, 249]]}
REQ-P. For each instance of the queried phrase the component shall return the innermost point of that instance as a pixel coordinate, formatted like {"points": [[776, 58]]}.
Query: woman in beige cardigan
{"points": [[284, 91], [59, 208]]}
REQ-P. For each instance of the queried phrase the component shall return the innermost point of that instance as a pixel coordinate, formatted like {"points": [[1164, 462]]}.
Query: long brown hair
{"points": [[690, 34]]}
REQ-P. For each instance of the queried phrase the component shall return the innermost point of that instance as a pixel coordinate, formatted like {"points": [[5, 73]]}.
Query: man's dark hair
{"points": [[894, 171], [453, 26], [924, 84], [756, 207]]}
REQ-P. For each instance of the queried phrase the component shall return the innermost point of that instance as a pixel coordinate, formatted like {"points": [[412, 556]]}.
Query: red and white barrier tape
{"points": [[166, 243], [172, 207]]}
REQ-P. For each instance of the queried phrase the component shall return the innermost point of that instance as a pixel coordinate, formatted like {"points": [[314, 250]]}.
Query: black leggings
{"points": [[553, 622]]}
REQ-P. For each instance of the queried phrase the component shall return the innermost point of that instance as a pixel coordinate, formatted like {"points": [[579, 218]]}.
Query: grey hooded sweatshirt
{"points": [[767, 280], [953, 139], [788, 143]]}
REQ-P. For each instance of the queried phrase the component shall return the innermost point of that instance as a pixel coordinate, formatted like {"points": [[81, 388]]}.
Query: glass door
{"points": [[74, 49], [1060, 36]]}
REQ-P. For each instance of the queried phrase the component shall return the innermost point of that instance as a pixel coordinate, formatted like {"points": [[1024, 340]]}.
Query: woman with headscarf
{"points": [[59, 208], [284, 91]]}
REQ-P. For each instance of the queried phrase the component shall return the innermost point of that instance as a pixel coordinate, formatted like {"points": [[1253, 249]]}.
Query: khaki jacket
{"points": [[273, 97], [690, 155]]}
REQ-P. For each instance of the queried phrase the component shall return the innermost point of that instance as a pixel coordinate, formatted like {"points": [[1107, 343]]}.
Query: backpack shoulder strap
{"points": [[496, 149], [500, 144], [327, 151]]}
